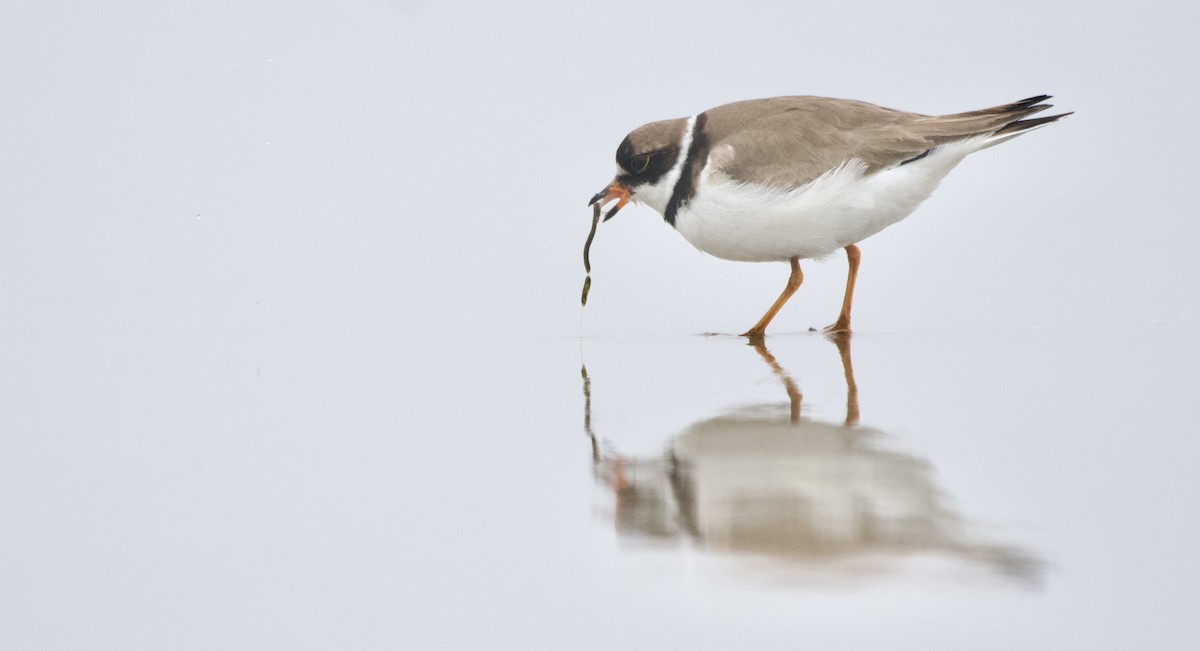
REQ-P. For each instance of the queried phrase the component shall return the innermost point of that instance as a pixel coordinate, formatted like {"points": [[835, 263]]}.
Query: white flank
{"points": [[754, 223]]}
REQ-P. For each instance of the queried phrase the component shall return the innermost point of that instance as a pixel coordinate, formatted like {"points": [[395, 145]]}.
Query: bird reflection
{"points": [[767, 482]]}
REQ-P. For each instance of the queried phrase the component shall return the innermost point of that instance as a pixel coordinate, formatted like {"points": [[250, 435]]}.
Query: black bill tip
{"points": [[599, 195]]}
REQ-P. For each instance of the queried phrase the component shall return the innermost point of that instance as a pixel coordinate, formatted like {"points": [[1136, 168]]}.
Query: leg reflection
{"points": [[842, 341], [793, 392]]}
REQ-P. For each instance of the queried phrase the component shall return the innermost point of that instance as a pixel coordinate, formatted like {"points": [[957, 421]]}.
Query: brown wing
{"points": [[793, 140]]}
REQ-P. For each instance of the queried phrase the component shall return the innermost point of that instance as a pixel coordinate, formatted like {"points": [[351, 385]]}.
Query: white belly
{"points": [[738, 221]]}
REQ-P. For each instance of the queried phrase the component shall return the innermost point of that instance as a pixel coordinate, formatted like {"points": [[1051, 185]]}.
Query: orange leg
{"points": [[793, 284], [843, 321]]}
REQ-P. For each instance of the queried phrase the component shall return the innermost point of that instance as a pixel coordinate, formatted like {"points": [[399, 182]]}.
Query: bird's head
{"points": [[643, 161]]}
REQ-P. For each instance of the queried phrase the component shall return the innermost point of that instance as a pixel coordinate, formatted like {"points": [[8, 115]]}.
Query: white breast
{"points": [[754, 223]]}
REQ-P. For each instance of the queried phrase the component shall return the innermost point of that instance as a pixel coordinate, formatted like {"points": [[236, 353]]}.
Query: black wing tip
{"points": [[1020, 126], [1027, 107], [1030, 101]]}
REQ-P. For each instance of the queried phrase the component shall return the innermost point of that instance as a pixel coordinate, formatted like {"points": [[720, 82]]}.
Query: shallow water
{"points": [[1010, 489], [292, 356]]}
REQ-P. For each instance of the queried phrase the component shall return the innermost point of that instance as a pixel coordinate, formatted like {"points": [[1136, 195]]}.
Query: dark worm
{"points": [[587, 263]]}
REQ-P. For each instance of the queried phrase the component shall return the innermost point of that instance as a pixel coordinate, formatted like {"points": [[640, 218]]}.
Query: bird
{"points": [[799, 177]]}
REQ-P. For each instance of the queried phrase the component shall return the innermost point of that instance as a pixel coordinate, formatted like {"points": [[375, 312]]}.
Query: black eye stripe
{"points": [[645, 167]]}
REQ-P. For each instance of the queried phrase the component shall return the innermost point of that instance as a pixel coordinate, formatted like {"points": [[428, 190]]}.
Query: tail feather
{"points": [[1018, 127], [996, 124], [1020, 106], [895, 145]]}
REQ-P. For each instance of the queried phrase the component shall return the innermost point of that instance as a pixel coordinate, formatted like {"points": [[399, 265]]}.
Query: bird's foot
{"points": [[841, 326], [755, 334]]}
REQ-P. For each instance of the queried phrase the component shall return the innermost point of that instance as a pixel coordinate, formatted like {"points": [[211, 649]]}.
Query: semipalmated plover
{"points": [[791, 178]]}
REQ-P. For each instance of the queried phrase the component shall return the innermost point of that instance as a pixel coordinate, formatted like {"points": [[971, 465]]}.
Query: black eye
{"points": [[640, 163]]}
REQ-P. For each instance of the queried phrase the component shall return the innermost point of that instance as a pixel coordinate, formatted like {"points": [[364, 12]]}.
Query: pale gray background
{"points": [[290, 338]]}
